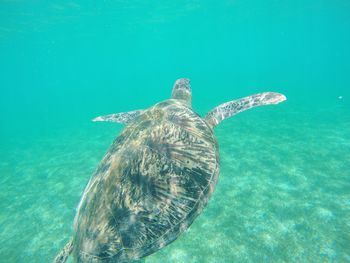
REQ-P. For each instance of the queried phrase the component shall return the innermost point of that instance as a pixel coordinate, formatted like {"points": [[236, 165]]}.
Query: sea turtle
{"points": [[155, 179]]}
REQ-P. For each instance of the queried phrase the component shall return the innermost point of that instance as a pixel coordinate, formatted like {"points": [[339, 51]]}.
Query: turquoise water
{"points": [[284, 190]]}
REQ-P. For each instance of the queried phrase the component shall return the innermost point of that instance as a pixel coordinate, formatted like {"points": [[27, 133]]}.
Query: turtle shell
{"points": [[156, 178]]}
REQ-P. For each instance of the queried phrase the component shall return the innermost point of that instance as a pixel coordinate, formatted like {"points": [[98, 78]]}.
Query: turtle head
{"points": [[182, 91]]}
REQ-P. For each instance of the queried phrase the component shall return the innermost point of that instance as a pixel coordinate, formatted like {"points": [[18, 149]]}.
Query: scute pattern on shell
{"points": [[155, 179]]}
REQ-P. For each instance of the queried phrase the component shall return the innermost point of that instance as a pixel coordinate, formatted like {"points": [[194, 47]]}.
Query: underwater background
{"points": [[284, 190]]}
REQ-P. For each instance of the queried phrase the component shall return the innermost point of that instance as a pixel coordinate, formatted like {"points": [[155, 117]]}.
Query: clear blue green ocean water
{"points": [[284, 190]]}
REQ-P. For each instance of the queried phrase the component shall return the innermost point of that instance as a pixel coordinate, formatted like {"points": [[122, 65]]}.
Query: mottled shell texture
{"points": [[153, 182]]}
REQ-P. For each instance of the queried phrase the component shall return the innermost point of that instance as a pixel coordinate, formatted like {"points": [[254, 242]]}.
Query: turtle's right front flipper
{"points": [[123, 117], [228, 109]]}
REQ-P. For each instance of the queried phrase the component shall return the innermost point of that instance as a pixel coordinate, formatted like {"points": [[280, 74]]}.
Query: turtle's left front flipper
{"points": [[123, 117], [228, 109]]}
